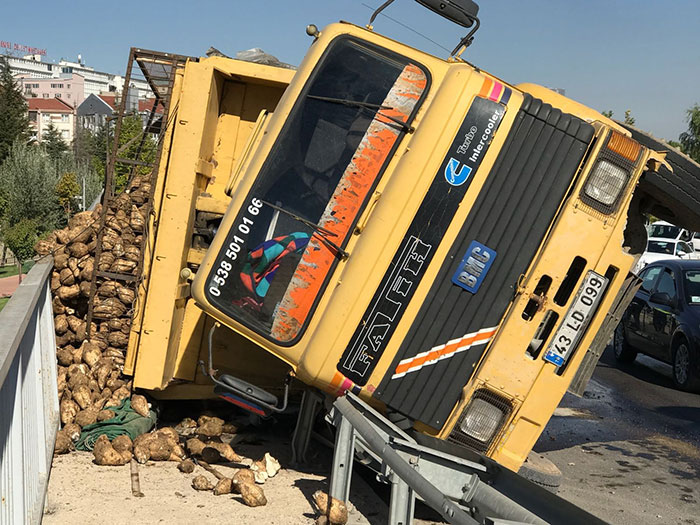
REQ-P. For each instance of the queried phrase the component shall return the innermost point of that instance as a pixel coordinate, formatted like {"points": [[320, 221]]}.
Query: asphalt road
{"points": [[629, 449]]}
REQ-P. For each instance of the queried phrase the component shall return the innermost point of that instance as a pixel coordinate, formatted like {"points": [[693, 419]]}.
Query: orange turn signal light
{"points": [[624, 146]]}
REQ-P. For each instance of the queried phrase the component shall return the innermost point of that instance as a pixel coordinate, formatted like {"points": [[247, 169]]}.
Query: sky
{"points": [[640, 55]]}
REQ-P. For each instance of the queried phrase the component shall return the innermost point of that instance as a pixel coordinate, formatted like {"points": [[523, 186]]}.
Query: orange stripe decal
{"points": [[435, 354], [345, 204], [486, 88]]}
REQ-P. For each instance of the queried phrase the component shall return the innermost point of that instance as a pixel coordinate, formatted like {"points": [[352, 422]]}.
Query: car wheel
{"points": [[624, 353], [682, 366]]}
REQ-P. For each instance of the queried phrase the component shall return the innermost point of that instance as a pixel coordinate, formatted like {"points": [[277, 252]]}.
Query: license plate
{"points": [[577, 318]]}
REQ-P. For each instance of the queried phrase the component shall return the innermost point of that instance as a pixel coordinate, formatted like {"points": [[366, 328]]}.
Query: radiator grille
{"points": [[511, 215]]}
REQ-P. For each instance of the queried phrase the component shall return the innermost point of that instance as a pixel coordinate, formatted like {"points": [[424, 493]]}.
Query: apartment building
{"points": [[70, 88], [46, 111]]}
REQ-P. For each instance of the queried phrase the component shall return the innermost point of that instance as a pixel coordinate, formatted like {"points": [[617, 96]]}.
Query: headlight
{"points": [[606, 182], [610, 176], [481, 420]]}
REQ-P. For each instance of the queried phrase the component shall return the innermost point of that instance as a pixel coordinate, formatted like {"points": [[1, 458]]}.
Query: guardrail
{"points": [[28, 401]]}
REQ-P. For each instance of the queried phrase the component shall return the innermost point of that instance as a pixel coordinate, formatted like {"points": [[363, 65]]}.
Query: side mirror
{"points": [[462, 12], [661, 298]]}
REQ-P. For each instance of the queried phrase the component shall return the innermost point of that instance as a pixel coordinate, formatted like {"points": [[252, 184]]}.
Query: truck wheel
{"points": [[624, 353], [682, 366], [541, 471]]}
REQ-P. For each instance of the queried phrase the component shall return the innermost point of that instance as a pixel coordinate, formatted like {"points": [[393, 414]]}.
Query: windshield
{"points": [[309, 193], [692, 287], [661, 247], [665, 231]]}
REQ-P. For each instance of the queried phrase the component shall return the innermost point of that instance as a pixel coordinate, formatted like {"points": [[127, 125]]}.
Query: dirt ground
{"points": [[629, 452], [105, 497], [82, 492]]}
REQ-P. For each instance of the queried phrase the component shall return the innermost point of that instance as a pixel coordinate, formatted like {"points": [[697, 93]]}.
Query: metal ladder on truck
{"points": [[463, 486]]}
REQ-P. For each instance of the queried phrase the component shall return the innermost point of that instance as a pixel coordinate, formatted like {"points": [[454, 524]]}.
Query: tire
{"points": [[624, 353], [682, 366], [540, 471]]}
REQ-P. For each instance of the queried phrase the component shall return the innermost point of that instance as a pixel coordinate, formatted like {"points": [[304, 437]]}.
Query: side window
{"points": [[648, 277], [666, 284], [682, 249]]}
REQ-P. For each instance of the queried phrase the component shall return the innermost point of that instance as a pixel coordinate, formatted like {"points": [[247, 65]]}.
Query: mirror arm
{"points": [[379, 10], [467, 40]]}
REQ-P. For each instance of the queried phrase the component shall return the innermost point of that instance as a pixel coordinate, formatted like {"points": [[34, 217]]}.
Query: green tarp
{"points": [[125, 421]]}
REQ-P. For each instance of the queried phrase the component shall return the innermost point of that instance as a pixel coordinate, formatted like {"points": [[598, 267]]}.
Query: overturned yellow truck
{"points": [[454, 249]]}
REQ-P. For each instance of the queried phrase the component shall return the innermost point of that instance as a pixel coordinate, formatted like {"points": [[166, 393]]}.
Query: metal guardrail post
{"points": [[343, 455], [28, 401]]}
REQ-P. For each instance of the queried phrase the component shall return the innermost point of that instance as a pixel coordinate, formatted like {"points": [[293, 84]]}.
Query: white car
{"points": [[659, 248], [696, 241], [666, 230]]}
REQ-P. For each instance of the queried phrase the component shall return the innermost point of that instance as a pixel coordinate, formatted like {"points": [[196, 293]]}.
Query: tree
{"points": [[629, 119], [607, 113], [140, 147], [690, 140], [67, 189], [90, 149], [20, 238], [14, 120], [53, 143], [29, 178], [78, 178]]}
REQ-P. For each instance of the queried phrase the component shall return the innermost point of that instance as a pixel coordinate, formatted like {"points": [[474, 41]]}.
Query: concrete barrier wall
{"points": [[29, 414]]}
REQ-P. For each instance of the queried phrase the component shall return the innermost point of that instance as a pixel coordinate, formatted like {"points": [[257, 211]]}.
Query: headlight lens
{"points": [[606, 183], [481, 420]]}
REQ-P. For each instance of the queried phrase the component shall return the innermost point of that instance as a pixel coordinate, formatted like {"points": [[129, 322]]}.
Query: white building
{"points": [[95, 82]]}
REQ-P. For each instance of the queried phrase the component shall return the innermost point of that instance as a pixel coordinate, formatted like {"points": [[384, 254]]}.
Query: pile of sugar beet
{"points": [[90, 379]]}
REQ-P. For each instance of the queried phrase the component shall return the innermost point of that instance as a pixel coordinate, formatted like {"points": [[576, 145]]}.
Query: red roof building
{"points": [[46, 111]]}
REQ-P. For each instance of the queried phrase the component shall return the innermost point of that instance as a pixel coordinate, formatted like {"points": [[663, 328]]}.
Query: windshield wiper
{"points": [[348, 102], [366, 105], [322, 232]]}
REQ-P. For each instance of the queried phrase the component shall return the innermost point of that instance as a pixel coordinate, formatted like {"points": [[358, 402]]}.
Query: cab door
{"points": [[661, 319]]}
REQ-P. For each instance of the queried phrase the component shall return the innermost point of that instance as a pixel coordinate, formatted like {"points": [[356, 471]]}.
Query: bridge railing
{"points": [[28, 402]]}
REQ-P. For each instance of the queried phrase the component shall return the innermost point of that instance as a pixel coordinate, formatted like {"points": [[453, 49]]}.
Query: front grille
{"points": [[511, 215], [493, 399]]}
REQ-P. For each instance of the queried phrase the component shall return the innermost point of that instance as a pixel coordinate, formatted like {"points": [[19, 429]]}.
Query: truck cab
{"points": [[421, 233]]}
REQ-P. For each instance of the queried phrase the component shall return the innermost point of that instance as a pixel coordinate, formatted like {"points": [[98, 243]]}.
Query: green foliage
{"points": [[140, 147], [14, 120], [608, 113], [690, 140], [53, 143], [90, 159], [674, 143], [629, 119], [83, 173], [21, 237], [68, 191], [12, 269], [29, 178]]}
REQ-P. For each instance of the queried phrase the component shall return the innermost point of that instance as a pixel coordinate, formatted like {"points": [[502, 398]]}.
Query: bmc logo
{"points": [[457, 173]]}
